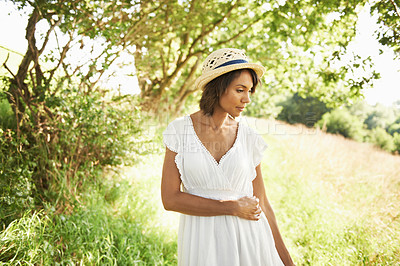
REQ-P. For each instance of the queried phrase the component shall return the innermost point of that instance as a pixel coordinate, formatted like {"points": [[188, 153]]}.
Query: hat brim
{"points": [[205, 78]]}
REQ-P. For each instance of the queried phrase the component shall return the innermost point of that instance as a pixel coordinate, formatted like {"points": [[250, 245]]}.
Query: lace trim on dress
{"points": [[169, 146], [178, 162], [207, 151]]}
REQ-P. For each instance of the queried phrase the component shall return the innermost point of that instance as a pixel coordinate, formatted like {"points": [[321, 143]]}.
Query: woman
{"points": [[226, 217]]}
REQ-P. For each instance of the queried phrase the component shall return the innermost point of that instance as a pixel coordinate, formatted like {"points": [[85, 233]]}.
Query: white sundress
{"points": [[223, 240]]}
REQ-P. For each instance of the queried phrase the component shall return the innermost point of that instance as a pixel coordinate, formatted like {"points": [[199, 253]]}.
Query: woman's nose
{"points": [[246, 98]]}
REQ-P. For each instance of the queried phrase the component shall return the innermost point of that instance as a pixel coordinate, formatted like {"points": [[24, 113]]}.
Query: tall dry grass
{"points": [[349, 184]]}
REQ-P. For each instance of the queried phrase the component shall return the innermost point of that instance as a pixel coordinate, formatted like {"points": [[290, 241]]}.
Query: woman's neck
{"points": [[219, 119]]}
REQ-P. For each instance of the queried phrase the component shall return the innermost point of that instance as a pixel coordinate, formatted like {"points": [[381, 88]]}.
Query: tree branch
{"points": [[62, 56], [6, 67], [46, 39], [30, 30], [395, 8], [239, 33], [216, 24]]}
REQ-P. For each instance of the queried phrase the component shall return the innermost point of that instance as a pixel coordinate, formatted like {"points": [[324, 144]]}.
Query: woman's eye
{"points": [[239, 90]]}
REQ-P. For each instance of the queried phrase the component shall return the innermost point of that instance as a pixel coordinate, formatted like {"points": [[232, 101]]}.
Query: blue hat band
{"points": [[232, 62]]}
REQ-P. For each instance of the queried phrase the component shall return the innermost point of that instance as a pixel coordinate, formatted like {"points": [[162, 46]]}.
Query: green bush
{"points": [[297, 109], [380, 116], [394, 128], [17, 164], [50, 163], [396, 142], [381, 138], [7, 117], [342, 122]]}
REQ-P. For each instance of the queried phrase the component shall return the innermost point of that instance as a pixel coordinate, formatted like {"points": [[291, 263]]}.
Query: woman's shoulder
{"points": [[246, 127], [254, 140], [172, 135], [178, 120], [178, 124]]}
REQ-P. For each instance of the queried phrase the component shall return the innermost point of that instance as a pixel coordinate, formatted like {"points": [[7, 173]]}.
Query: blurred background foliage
{"points": [[61, 130]]}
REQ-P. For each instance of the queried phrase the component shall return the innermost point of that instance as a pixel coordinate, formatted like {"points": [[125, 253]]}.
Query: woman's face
{"points": [[237, 95]]}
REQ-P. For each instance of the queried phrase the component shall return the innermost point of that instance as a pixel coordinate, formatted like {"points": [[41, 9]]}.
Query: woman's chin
{"points": [[235, 114]]}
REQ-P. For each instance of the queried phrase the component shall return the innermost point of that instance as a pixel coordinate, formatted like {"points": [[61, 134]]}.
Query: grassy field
{"points": [[337, 202]]}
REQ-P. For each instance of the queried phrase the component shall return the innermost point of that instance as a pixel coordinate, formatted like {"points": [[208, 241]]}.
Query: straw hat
{"points": [[223, 61]]}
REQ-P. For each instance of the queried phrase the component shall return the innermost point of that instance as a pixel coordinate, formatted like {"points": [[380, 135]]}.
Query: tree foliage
{"points": [[380, 116], [340, 121], [284, 37], [362, 122], [297, 109], [388, 12], [381, 138]]}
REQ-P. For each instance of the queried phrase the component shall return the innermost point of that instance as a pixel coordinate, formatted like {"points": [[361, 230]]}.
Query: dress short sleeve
{"points": [[171, 138], [258, 149]]}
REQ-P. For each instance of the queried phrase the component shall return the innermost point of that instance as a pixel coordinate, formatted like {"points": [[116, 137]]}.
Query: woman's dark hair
{"points": [[214, 89]]}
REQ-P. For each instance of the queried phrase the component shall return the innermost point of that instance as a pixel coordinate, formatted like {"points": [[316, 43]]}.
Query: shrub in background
{"points": [[396, 142], [340, 121], [360, 109], [380, 116], [297, 109], [394, 128], [381, 138], [17, 164]]}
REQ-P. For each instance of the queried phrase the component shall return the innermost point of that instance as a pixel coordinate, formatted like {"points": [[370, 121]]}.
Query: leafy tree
{"points": [[388, 12], [102, 29], [360, 109], [380, 116], [284, 37], [65, 129]]}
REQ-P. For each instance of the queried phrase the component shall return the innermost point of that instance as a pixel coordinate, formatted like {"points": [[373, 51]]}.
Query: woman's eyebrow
{"points": [[244, 86], [241, 85]]}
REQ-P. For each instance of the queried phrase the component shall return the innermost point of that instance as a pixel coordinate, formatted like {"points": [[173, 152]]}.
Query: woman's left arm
{"points": [[259, 192]]}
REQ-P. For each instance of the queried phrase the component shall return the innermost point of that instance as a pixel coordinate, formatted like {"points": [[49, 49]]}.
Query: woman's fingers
{"points": [[250, 208]]}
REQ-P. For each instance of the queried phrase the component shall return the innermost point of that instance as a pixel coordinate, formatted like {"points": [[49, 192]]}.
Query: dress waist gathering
{"points": [[217, 194]]}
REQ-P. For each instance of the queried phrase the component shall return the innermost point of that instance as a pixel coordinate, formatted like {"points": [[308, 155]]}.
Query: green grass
{"points": [[117, 224], [330, 206]]}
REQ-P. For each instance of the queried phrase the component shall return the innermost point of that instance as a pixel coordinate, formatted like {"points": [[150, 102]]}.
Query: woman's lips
{"points": [[240, 108]]}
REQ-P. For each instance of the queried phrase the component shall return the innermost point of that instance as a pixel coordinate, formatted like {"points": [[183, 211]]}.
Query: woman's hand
{"points": [[248, 208]]}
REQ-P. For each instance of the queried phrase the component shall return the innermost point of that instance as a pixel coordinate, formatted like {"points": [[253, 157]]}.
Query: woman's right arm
{"points": [[176, 200]]}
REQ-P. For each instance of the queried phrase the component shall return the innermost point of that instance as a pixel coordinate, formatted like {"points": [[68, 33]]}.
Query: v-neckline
{"points": [[206, 150]]}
